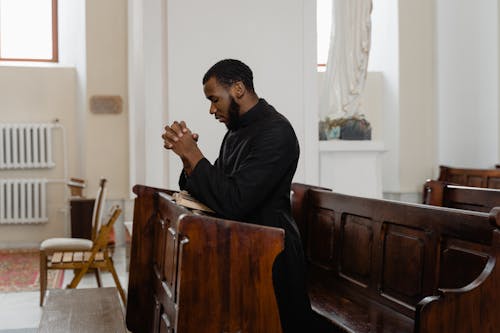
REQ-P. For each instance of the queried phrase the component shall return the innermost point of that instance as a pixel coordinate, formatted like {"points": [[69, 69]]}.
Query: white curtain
{"points": [[347, 58]]}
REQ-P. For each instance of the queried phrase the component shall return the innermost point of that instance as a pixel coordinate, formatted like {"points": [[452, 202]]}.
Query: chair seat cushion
{"points": [[73, 244]]}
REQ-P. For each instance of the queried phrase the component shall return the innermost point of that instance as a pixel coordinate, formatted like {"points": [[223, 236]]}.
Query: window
{"points": [[324, 23], [28, 30]]}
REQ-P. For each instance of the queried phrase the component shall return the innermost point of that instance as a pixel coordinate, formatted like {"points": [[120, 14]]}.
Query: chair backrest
{"points": [[98, 208]]}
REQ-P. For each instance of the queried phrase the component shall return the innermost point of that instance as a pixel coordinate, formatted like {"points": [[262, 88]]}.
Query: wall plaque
{"points": [[106, 104]]}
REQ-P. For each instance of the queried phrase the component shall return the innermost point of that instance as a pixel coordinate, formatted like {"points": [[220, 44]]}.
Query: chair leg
{"points": [[78, 277], [111, 268], [43, 275], [98, 277]]}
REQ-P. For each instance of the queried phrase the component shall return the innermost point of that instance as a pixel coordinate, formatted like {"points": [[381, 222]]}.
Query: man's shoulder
{"points": [[280, 131], [278, 121]]}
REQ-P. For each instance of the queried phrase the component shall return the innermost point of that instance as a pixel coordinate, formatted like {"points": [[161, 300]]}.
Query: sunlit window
{"points": [[28, 30], [324, 22]]}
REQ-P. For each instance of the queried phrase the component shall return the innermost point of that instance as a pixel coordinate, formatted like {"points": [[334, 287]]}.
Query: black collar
{"points": [[255, 113]]}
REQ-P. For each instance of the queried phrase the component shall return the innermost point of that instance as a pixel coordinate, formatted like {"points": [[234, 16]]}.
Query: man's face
{"points": [[222, 103]]}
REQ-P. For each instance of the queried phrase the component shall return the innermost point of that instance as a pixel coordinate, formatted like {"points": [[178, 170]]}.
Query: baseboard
{"points": [[18, 245], [412, 197]]}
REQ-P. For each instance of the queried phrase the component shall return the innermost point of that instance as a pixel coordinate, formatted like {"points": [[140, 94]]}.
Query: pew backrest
{"points": [[298, 198], [396, 253], [438, 193], [487, 178]]}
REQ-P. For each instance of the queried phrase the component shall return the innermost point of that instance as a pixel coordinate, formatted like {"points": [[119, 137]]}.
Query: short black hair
{"points": [[229, 71]]}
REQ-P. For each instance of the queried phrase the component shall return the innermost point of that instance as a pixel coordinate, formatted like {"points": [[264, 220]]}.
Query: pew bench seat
{"points": [[341, 310]]}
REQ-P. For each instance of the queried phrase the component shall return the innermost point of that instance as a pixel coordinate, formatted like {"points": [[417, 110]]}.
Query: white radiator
{"points": [[23, 201], [26, 146]]}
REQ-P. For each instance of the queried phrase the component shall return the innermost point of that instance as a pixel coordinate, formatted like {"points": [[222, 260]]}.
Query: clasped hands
{"points": [[183, 142]]}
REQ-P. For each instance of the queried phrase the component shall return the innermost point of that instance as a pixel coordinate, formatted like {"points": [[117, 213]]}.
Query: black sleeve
{"points": [[272, 153], [182, 180]]}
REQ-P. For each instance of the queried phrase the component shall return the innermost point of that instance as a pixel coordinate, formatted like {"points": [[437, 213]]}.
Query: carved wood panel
{"points": [[321, 238], [493, 182], [159, 249], [170, 261], [476, 181], [165, 325], [356, 238], [404, 263]]}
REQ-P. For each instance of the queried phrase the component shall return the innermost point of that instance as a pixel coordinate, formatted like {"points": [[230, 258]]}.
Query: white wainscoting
{"points": [[352, 167]]}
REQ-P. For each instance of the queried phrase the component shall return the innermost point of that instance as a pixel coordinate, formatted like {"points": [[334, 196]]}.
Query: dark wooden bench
{"points": [[92, 310], [444, 194], [488, 178], [298, 197], [386, 266], [196, 273]]}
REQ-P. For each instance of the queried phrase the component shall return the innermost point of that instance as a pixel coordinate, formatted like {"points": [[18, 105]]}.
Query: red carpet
{"points": [[19, 271]]}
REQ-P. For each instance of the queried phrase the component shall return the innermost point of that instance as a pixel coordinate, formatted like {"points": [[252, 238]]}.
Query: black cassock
{"points": [[250, 181]]}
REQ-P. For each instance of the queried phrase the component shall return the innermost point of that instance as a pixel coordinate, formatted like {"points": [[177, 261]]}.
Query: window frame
{"points": [[321, 66], [55, 41]]}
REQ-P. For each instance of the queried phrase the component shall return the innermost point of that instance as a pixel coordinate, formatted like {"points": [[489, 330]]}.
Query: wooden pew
{"points": [[298, 197], [192, 273], [438, 193], [386, 266], [488, 178]]}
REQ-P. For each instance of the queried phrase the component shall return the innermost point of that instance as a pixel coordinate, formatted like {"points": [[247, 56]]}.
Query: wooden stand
{"points": [[81, 217], [192, 273]]}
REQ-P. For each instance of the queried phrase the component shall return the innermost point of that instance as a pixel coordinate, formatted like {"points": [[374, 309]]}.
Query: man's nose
{"points": [[212, 109]]}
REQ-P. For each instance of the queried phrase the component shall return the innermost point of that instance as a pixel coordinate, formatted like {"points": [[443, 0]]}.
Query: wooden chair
{"points": [[51, 245], [97, 258]]}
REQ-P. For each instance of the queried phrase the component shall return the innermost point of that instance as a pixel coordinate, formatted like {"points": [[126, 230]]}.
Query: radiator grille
{"points": [[23, 201], [26, 146]]}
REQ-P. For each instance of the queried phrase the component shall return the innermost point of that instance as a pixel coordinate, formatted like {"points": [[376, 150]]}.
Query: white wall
{"points": [[72, 53], [268, 36], [93, 40], [40, 95], [147, 90], [467, 70], [417, 119], [106, 135], [93, 56], [384, 57]]}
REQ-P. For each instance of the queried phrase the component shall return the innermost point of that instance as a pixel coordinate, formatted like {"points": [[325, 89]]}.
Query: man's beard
{"points": [[233, 121]]}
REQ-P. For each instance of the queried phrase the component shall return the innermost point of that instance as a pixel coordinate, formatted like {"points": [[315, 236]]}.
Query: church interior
{"points": [[425, 85]]}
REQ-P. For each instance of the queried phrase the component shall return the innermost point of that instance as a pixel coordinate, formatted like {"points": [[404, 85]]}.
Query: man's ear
{"points": [[238, 89]]}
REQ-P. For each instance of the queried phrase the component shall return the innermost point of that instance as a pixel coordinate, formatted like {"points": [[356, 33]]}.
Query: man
{"points": [[250, 181]]}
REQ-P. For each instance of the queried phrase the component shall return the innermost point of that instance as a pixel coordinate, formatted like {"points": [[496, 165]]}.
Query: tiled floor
{"points": [[20, 312]]}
